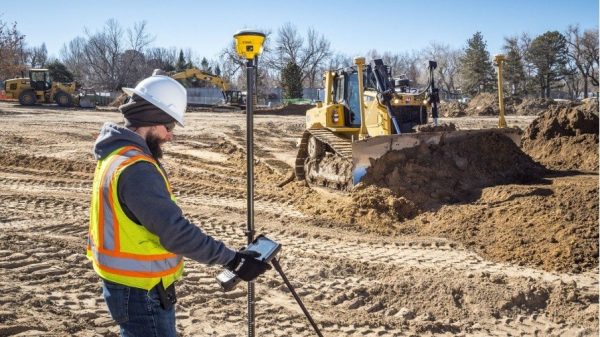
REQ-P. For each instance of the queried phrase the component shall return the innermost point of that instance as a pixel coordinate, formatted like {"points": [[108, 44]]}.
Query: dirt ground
{"points": [[502, 257]]}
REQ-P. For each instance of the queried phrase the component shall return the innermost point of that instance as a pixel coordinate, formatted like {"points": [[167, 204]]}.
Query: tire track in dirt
{"points": [[55, 288]]}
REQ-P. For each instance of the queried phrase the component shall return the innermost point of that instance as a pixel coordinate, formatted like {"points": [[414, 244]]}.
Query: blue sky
{"points": [[352, 27]]}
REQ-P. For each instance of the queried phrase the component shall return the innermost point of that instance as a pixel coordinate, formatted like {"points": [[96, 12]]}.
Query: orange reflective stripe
{"points": [[139, 257], [136, 256]]}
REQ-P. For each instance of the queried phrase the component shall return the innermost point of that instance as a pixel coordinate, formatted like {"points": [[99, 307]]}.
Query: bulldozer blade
{"points": [[86, 102], [364, 151]]}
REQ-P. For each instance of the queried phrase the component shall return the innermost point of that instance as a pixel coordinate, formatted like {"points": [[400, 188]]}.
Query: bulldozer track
{"points": [[341, 146]]}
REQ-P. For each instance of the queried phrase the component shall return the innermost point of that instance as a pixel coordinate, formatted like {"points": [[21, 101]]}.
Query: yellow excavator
{"points": [[193, 77], [39, 88], [365, 113]]}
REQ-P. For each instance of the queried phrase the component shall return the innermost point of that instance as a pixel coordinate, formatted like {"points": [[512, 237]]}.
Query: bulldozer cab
{"points": [[346, 92], [40, 79]]}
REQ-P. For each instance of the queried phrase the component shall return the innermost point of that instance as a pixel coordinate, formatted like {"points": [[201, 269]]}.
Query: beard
{"points": [[154, 144]]}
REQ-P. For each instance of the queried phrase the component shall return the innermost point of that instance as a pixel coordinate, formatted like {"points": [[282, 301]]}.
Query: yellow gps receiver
{"points": [[249, 43]]}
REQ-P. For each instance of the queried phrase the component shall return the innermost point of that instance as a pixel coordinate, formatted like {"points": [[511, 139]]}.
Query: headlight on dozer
{"points": [[335, 117]]}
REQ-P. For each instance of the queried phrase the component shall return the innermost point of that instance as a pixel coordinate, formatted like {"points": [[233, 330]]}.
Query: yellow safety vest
{"points": [[121, 250]]}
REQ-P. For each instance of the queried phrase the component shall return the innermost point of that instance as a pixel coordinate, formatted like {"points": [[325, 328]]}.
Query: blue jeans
{"points": [[138, 312]]}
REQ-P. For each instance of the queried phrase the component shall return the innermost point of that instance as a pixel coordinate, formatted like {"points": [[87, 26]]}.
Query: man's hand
{"points": [[246, 266]]}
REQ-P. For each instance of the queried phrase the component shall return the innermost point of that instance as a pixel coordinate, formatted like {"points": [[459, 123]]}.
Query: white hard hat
{"points": [[163, 92]]}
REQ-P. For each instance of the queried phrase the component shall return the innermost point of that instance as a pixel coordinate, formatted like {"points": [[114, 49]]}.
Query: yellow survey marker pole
{"points": [[360, 63], [499, 61]]}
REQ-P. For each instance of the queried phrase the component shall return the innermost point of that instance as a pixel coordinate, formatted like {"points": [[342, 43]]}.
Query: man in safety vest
{"points": [[138, 235]]}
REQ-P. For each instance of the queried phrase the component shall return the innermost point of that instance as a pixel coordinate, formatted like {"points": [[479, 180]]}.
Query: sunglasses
{"points": [[170, 126]]}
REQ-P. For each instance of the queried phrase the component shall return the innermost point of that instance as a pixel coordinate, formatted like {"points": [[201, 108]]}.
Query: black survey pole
{"points": [[250, 70], [248, 44]]}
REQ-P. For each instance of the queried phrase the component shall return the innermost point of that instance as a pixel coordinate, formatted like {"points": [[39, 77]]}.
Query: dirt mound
{"points": [[563, 234], [534, 106], [565, 138], [455, 171], [291, 109], [452, 109], [486, 104]]}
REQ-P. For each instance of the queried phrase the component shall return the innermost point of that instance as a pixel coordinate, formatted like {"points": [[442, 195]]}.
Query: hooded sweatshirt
{"points": [[145, 199]]}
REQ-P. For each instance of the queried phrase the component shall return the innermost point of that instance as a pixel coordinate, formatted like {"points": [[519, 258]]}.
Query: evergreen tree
{"points": [[548, 53], [514, 69], [477, 71], [59, 72], [291, 79], [181, 64], [217, 70], [204, 65]]}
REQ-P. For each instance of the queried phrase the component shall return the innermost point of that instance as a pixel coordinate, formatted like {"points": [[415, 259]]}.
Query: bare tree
{"points": [[590, 44], [524, 45], [573, 79], [409, 64], [110, 58], [338, 61], [12, 53], [38, 56], [448, 65], [583, 51], [317, 50], [289, 46], [161, 58], [72, 55]]}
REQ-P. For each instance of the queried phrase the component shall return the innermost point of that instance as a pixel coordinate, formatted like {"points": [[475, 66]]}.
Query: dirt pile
{"points": [[486, 104], [452, 109], [454, 171], [565, 138], [534, 106], [501, 225]]}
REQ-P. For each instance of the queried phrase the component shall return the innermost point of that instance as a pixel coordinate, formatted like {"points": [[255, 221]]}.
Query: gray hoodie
{"points": [[146, 200]]}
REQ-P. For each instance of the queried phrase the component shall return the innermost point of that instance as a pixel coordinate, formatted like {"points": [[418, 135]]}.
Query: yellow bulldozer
{"points": [[366, 113], [39, 88]]}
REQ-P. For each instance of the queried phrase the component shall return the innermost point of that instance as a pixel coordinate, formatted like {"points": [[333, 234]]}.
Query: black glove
{"points": [[246, 266]]}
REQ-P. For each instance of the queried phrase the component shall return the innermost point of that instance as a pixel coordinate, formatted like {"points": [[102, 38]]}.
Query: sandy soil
{"points": [[511, 259]]}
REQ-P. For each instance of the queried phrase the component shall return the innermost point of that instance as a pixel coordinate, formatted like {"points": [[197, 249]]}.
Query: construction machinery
{"points": [[39, 88], [195, 77], [365, 113]]}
